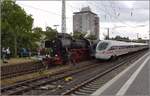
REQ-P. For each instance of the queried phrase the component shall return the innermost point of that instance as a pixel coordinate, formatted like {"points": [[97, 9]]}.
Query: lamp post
{"points": [[56, 27]]}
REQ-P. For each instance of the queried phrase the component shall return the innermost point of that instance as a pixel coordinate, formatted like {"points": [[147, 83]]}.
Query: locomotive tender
{"points": [[108, 49]]}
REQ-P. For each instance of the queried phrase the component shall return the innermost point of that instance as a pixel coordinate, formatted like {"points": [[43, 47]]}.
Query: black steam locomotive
{"points": [[80, 48]]}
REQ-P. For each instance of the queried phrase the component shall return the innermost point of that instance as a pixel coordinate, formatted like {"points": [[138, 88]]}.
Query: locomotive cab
{"points": [[101, 50]]}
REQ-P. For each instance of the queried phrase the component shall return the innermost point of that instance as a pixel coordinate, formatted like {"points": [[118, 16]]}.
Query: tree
{"points": [[92, 37], [106, 38], [140, 40], [50, 33], [39, 36], [38, 33], [78, 35], [37, 30], [16, 26], [119, 38]]}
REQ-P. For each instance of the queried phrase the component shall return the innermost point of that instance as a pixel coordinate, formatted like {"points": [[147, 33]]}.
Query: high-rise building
{"points": [[86, 21]]}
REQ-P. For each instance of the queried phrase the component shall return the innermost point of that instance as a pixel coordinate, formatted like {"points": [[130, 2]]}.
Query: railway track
{"points": [[14, 70], [37, 82], [90, 85], [20, 69], [79, 78], [27, 86], [32, 80]]}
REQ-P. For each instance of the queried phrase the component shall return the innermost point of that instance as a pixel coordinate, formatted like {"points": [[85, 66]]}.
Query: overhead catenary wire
{"points": [[112, 16], [107, 12], [109, 16], [43, 10]]}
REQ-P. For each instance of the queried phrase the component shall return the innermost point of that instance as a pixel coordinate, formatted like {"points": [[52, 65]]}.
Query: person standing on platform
{"points": [[29, 50], [8, 53], [4, 55], [38, 52]]}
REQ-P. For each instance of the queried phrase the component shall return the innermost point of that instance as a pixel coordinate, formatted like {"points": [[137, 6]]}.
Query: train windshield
{"points": [[102, 46]]}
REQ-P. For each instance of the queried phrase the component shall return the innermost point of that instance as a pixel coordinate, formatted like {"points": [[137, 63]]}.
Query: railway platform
{"points": [[133, 81]]}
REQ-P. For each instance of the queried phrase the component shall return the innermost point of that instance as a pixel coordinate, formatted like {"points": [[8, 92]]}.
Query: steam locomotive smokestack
{"points": [[87, 34]]}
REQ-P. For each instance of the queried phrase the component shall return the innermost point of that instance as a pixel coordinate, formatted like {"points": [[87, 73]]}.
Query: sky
{"points": [[124, 18]]}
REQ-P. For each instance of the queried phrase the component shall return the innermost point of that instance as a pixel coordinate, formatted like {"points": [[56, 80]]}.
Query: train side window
{"points": [[116, 47], [120, 47], [126, 47], [129, 46], [112, 48]]}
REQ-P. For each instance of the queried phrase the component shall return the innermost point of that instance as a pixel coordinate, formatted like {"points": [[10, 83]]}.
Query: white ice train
{"points": [[108, 49]]}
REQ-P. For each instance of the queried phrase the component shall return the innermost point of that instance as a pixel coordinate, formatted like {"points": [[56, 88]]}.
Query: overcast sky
{"points": [[124, 18]]}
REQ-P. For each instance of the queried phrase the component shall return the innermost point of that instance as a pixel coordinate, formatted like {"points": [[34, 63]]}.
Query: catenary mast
{"points": [[63, 23]]}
